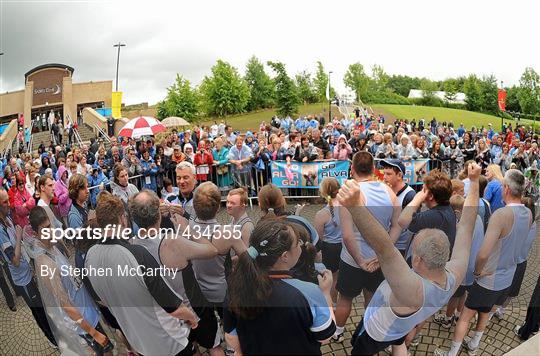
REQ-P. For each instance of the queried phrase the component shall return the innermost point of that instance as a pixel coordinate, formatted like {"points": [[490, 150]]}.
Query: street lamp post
{"points": [[118, 61], [329, 100]]}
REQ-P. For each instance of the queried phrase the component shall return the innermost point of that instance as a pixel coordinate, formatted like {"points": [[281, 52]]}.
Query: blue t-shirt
{"points": [[494, 195], [294, 320], [21, 274]]}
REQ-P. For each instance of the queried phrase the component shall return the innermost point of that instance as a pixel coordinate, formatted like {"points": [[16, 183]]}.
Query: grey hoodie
{"points": [[123, 193]]}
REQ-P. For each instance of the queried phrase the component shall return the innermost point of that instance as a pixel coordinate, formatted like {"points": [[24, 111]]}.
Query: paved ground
{"points": [[19, 334]]}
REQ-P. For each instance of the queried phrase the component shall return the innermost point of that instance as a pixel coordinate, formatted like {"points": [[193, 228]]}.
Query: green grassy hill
{"points": [[468, 118], [252, 120]]}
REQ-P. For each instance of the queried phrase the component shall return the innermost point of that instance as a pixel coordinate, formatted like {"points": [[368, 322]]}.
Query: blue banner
{"points": [[309, 174], [415, 171]]}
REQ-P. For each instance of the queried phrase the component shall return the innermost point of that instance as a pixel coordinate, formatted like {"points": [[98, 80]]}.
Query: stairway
{"points": [[85, 131]]}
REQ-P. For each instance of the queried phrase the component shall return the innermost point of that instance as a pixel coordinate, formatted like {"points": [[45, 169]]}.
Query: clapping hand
{"points": [[474, 171]]}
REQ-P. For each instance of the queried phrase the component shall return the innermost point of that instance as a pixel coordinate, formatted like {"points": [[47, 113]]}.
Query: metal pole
{"points": [[118, 61], [329, 100]]}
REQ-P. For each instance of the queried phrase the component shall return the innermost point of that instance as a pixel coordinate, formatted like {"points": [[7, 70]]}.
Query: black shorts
{"points": [[517, 280], [330, 255], [363, 344], [207, 333], [352, 280], [482, 299], [460, 291]]}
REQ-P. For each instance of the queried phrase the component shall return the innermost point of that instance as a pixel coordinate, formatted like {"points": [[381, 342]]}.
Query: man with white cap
{"points": [[394, 171]]}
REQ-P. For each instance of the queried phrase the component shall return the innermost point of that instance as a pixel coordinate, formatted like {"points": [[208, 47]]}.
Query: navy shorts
{"points": [[363, 344], [482, 299], [352, 280]]}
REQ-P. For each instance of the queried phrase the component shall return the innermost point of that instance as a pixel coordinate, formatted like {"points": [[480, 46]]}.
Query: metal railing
{"points": [[102, 132], [78, 138], [227, 177], [31, 140]]}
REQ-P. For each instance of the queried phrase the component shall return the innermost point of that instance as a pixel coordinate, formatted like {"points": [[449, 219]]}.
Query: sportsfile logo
{"points": [[195, 232]]}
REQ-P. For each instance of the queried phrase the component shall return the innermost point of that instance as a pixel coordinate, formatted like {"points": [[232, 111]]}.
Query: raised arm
{"points": [[462, 246], [407, 214], [406, 285], [176, 251]]}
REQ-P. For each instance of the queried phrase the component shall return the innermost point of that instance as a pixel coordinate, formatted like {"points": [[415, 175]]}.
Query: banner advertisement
{"points": [[307, 175], [502, 99], [415, 171], [116, 104]]}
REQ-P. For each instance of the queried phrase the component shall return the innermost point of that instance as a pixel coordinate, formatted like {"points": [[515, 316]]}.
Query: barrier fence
{"points": [[297, 180]]}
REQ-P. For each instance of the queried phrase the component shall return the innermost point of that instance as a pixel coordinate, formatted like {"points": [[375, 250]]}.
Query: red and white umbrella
{"points": [[142, 126]]}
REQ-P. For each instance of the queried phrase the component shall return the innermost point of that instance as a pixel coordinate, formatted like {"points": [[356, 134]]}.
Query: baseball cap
{"points": [[393, 163], [313, 235]]}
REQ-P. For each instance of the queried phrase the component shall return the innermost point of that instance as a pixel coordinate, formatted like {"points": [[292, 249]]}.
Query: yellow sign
{"points": [[116, 104]]}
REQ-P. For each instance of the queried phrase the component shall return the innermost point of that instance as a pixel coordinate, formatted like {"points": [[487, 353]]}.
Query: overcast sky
{"points": [[435, 39]]}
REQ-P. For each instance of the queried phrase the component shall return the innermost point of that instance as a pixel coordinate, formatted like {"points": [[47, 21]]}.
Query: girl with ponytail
{"points": [[272, 201], [328, 227], [269, 312]]}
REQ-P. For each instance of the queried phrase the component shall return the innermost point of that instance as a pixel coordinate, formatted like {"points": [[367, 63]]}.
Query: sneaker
{"points": [[339, 338], [416, 340], [443, 321], [471, 351], [440, 352], [516, 331], [499, 314], [53, 346]]}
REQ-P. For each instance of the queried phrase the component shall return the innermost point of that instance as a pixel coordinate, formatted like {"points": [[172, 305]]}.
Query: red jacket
{"points": [[200, 159], [22, 204]]}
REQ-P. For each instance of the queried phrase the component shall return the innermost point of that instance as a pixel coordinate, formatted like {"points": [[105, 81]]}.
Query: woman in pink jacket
{"points": [[342, 150], [61, 191], [23, 202]]}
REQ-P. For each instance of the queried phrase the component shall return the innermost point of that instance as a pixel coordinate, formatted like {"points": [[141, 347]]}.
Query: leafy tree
{"points": [[529, 91], [428, 88], [380, 78], [471, 88], [306, 90], [402, 84], [225, 92], [286, 92], [260, 85], [182, 100], [357, 80], [512, 99], [489, 90], [450, 90], [320, 82]]}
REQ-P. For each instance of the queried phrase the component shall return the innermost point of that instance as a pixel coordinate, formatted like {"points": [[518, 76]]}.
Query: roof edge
{"points": [[49, 65]]}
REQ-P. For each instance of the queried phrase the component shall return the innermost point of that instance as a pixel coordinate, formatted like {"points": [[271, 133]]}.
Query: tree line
{"points": [[225, 92]]}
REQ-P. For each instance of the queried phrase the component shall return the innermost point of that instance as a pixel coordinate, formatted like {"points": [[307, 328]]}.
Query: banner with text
{"points": [[309, 174]]}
